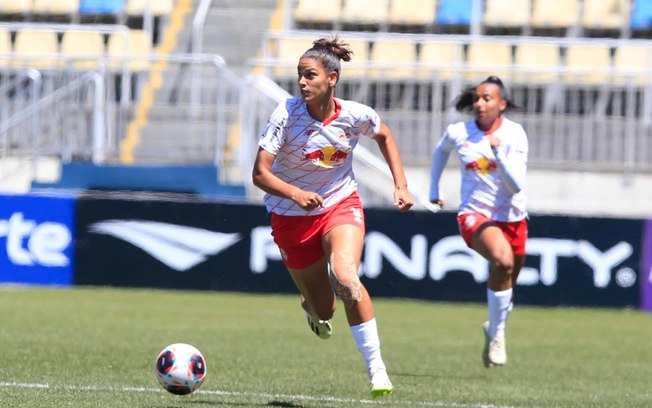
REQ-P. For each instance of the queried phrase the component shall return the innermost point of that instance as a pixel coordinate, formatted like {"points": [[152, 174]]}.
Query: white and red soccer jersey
{"points": [[315, 156], [492, 180]]}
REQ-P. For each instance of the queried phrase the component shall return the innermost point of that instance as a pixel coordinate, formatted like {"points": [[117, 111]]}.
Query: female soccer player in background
{"points": [[304, 164], [492, 216]]}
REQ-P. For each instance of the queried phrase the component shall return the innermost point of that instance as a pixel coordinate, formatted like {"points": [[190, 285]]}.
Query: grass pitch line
{"points": [[5, 384]]}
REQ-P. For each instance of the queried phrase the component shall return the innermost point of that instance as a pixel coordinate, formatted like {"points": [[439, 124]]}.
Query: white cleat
{"points": [[494, 352], [380, 383], [322, 328]]}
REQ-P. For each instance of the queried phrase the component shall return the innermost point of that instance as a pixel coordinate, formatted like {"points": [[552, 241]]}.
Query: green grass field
{"points": [[91, 347]]}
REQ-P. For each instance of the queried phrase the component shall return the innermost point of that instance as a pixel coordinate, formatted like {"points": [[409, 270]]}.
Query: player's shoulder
{"points": [[286, 108], [512, 125], [457, 129], [354, 108]]}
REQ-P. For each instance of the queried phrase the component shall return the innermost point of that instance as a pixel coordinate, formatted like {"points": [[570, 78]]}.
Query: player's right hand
{"points": [[308, 200]]}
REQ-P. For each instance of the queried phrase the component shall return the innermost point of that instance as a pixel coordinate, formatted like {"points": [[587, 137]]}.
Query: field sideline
{"points": [[95, 347]]}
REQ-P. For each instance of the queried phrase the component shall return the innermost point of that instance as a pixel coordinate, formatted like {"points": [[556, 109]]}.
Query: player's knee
{"points": [[503, 262], [344, 278]]}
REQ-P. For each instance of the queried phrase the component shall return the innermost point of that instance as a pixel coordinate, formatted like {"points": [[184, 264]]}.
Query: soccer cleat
{"points": [[322, 328], [380, 383], [494, 352]]}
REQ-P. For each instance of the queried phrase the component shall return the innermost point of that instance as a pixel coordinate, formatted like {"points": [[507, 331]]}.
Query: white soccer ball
{"points": [[180, 368]]}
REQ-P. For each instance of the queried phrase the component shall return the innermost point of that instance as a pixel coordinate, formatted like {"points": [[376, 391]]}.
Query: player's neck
{"points": [[323, 109]]}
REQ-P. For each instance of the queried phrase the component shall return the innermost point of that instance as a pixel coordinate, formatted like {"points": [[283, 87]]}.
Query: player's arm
{"points": [[264, 179], [512, 168], [388, 147], [439, 160]]}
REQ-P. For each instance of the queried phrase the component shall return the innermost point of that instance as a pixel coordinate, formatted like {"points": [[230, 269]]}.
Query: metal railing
{"points": [[573, 121]]}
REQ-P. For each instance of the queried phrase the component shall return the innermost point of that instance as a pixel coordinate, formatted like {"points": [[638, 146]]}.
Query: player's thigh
{"points": [[343, 245], [490, 242]]}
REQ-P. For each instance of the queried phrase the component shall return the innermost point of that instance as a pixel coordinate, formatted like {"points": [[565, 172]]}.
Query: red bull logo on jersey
{"points": [[327, 156], [482, 166]]}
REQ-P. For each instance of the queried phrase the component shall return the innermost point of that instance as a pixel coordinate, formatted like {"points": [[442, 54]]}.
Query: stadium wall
{"points": [[152, 240]]}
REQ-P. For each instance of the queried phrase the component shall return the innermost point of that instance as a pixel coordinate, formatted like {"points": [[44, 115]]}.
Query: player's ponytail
{"points": [[329, 51]]}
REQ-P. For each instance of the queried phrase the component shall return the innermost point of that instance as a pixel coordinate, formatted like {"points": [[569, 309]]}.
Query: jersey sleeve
{"points": [[368, 121], [274, 133], [512, 162]]}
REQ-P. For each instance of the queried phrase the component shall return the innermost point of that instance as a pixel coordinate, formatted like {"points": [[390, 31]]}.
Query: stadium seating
{"points": [[155, 7], [412, 14], [37, 49], [320, 12], [133, 50], [365, 13], [59, 9], [287, 50], [486, 58], [395, 59], [15, 6], [101, 6], [536, 63], [86, 48], [630, 61], [641, 18], [605, 16], [454, 15], [554, 16], [590, 61], [439, 59], [507, 15], [5, 48]]}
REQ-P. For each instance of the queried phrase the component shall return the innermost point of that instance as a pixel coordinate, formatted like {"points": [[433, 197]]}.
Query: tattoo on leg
{"points": [[346, 281]]}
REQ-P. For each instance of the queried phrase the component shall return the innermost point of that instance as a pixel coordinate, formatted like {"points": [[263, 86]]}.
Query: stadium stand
{"points": [[15, 9], [439, 59], [317, 13], [488, 57], [507, 16], [630, 62], [641, 18], [399, 54], [101, 11], [37, 48], [365, 14], [411, 15], [454, 16], [287, 51], [587, 64], [134, 50], [605, 18], [55, 11], [85, 48], [536, 63], [556, 18]]}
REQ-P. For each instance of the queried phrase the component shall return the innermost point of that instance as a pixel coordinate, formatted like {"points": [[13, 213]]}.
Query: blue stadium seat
{"points": [[99, 7], [454, 12], [641, 15]]}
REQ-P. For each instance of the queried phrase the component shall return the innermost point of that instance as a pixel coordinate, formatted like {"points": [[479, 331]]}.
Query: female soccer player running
{"points": [[304, 164], [492, 216]]}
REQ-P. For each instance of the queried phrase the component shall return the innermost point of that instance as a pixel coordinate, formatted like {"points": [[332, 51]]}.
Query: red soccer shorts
{"points": [[514, 232], [299, 237]]}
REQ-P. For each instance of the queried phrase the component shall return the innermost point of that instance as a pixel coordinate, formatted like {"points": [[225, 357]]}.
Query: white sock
{"points": [[499, 309], [368, 342]]}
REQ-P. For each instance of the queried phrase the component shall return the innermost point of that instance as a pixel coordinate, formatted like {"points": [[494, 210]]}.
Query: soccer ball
{"points": [[180, 368]]}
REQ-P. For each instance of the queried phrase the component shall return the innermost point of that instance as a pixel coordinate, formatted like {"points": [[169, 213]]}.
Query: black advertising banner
{"points": [[177, 244], [570, 260], [190, 244]]}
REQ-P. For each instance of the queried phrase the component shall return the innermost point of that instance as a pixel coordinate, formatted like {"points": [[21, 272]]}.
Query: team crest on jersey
{"points": [[482, 166], [327, 156]]}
